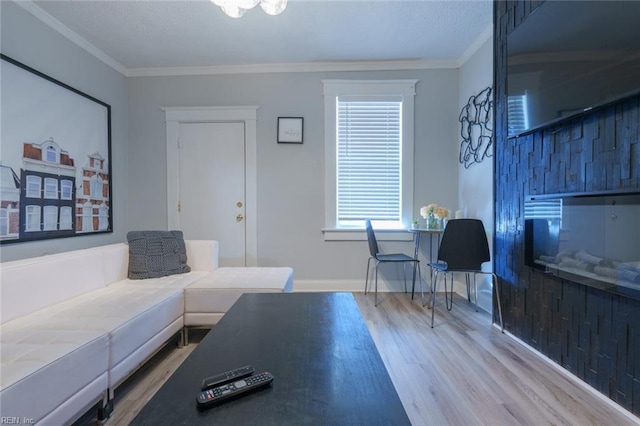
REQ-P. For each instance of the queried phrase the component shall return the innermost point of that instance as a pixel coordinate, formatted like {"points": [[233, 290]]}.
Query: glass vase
{"points": [[433, 222]]}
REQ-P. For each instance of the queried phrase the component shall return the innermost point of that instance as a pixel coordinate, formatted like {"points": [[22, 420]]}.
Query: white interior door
{"points": [[211, 187]]}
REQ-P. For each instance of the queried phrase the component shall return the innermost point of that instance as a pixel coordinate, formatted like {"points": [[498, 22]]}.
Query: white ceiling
{"points": [[155, 37]]}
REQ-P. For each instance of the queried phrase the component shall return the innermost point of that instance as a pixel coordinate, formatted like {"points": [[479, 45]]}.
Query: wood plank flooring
{"points": [[465, 372], [462, 372]]}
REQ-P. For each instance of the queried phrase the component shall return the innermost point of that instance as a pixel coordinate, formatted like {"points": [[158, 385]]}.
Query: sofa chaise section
{"points": [[209, 298]]}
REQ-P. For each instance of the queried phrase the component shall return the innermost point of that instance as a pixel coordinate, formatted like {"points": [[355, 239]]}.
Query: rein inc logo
{"points": [[17, 421]]}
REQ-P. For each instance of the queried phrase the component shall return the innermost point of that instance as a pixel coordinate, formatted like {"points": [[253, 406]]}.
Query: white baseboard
{"points": [[351, 285], [394, 286]]}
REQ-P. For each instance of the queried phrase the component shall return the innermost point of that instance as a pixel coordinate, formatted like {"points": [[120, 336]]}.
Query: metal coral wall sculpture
{"points": [[476, 129]]}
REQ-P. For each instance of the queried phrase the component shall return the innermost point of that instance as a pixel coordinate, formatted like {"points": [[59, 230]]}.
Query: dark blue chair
{"points": [[388, 258], [464, 248]]}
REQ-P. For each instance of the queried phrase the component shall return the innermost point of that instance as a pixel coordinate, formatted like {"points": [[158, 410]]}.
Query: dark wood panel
{"points": [[593, 334]]}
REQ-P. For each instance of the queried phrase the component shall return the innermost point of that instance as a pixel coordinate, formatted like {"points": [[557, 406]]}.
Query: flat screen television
{"points": [[593, 239], [570, 57]]}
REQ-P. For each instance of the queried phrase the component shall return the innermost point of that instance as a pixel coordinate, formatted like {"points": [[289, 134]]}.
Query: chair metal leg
{"points": [[468, 287], [434, 289], [448, 298], [376, 289], [421, 285], [413, 287], [404, 270], [366, 280], [416, 265], [475, 285], [432, 281], [428, 304], [413, 280]]}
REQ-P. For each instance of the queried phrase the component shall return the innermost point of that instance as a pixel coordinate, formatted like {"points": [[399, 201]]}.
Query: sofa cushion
{"points": [[130, 315], [154, 254], [28, 285], [34, 359], [220, 289]]}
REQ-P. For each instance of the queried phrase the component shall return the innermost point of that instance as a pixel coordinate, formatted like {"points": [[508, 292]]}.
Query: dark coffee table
{"points": [[326, 367]]}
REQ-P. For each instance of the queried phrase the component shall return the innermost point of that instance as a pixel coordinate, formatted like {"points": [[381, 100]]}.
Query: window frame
{"points": [[517, 115], [87, 217], [50, 218], [65, 185], [32, 218], [66, 218], [33, 187], [96, 187], [4, 222], [50, 188], [51, 150], [103, 217], [332, 89]]}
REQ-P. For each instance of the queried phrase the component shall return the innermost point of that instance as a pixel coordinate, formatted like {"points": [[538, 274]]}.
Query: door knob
{"points": [[239, 204], [239, 217]]}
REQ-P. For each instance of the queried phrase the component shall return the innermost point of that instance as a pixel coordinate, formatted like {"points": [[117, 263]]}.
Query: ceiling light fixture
{"points": [[237, 8]]}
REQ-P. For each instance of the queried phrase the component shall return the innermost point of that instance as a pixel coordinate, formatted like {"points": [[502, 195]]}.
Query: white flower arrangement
{"points": [[435, 210]]}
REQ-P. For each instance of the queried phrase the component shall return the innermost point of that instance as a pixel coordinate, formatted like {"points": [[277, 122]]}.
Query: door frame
{"points": [[174, 116]]}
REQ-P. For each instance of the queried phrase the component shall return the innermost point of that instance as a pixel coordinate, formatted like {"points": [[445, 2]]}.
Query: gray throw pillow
{"points": [[154, 254]]}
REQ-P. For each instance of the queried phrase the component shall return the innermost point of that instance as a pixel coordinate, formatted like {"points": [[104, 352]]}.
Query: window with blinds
{"points": [[550, 209], [368, 157], [517, 115], [369, 161]]}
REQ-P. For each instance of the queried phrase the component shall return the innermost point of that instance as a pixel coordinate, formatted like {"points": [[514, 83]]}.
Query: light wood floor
{"points": [[465, 372], [462, 372]]}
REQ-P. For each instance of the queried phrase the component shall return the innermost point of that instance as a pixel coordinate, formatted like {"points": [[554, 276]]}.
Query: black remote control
{"points": [[227, 376], [230, 390]]}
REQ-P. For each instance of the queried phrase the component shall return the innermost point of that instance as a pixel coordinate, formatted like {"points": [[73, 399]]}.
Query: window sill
{"points": [[334, 234]]}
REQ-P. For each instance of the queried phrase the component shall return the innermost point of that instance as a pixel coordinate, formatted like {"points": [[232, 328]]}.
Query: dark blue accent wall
{"points": [[591, 333]]}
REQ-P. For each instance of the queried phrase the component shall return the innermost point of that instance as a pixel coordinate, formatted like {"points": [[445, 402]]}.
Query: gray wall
{"points": [[290, 177], [475, 189], [29, 41]]}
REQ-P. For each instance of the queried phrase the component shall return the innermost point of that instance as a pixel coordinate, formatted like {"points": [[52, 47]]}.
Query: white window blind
{"points": [[50, 218], [65, 218], [517, 115], [369, 153], [32, 219], [543, 209]]}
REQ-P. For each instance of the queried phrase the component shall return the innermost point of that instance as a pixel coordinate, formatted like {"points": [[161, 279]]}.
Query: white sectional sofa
{"points": [[73, 326]]}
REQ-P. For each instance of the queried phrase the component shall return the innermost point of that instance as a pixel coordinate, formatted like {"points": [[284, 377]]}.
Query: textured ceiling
{"points": [[152, 34]]}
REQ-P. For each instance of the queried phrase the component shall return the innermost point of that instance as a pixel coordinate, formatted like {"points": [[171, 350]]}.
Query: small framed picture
{"points": [[290, 129]]}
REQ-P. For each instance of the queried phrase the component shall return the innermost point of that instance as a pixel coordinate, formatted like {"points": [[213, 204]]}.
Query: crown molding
{"points": [[67, 32], [328, 66], [292, 67], [477, 44]]}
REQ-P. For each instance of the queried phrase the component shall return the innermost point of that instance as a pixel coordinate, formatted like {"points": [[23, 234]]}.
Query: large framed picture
{"points": [[55, 158]]}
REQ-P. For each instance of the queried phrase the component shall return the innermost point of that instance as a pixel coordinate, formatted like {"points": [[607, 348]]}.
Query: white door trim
{"points": [[246, 114]]}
